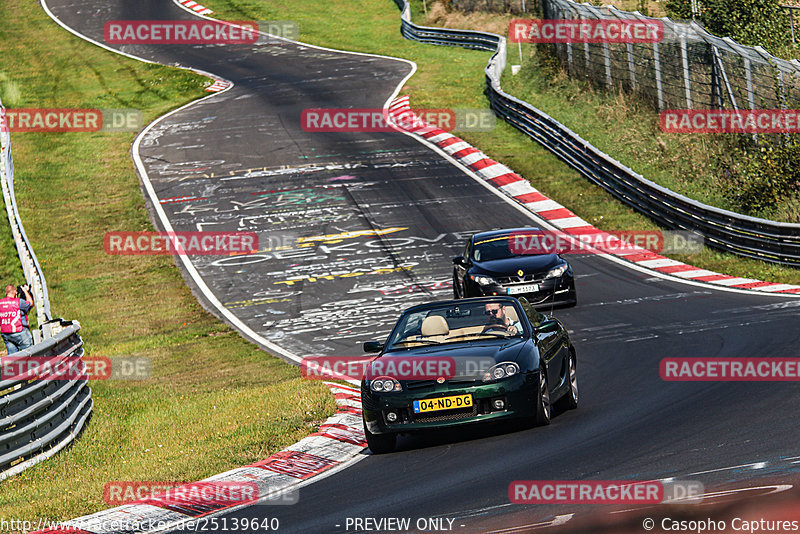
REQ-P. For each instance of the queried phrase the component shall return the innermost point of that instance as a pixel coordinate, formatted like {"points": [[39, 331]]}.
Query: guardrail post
{"points": [[686, 81], [695, 6], [631, 65], [782, 87], [657, 69], [570, 68], [586, 56], [791, 19], [716, 85], [748, 76]]}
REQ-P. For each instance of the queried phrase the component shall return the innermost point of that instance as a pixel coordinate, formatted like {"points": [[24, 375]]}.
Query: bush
{"points": [[749, 22], [759, 178]]}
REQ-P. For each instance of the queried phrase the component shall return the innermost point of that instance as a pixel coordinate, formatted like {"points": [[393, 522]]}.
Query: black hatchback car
{"points": [[490, 265]]}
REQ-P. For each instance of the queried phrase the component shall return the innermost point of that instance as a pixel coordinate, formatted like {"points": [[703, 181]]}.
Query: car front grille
{"points": [[419, 384], [526, 279], [450, 415], [460, 380]]}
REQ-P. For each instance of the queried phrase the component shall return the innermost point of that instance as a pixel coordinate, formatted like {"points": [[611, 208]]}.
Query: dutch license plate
{"points": [[443, 403], [527, 288]]}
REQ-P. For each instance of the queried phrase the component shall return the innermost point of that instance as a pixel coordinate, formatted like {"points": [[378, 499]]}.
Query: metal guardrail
{"points": [[30, 265], [39, 415], [740, 234]]}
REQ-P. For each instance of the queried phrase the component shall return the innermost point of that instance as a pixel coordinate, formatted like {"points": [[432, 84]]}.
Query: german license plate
{"points": [[525, 288], [443, 403]]}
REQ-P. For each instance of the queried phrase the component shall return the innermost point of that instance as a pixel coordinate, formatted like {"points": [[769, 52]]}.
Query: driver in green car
{"points": [[499, 320]]}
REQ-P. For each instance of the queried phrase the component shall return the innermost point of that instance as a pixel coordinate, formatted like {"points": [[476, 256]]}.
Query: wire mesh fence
{"points": [[688, 69], [500, 6]]}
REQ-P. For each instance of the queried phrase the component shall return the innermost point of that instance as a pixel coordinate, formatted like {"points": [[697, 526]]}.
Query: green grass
{"points": [[453, 77], [215, 401]]}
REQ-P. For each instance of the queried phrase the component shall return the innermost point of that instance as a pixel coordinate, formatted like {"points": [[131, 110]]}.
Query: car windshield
{"points": [[494, 248], [455, 323]]}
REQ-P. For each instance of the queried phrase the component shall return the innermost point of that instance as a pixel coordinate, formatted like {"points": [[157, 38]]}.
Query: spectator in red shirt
{"points": [[14, 326]]}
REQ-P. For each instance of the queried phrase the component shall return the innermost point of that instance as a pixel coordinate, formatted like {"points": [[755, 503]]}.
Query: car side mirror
{"points": [[373, 346], [547, 326], [460, 260]]}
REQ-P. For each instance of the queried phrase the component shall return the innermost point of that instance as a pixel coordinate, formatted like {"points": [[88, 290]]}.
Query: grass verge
{"points": [[453, 77], [214, 401]]}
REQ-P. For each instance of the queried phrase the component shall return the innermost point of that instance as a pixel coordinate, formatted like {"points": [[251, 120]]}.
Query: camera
{"points": [[21, 293]]}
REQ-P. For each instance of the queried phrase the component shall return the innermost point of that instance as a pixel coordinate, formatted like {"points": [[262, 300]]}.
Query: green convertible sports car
{"points": [[463, 362]]}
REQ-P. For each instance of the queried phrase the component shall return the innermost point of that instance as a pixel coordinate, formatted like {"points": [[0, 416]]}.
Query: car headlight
{"points": [[500, 371], [383, 384], [558, 271], [482, 280]]}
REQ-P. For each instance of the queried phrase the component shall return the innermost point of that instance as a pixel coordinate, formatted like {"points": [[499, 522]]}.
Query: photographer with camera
{"points": [[14, 326]]}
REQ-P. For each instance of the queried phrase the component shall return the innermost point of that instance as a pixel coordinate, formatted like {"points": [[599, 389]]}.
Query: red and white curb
{"points": [[554, 213], [194, 6], [219, 84], [338, 440]]}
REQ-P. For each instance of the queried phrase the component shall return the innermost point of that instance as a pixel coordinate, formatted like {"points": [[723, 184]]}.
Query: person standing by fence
{"points": [[14, 326]]}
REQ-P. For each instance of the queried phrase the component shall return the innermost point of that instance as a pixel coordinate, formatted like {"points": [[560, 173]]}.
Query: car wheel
{"points": [[543, 400], [380, 443], [456, 294], [570, 399]]}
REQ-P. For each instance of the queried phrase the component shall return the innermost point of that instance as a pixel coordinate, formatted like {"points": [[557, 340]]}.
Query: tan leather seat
{"points": [[511, 313], [435, 325], [476, 330], [434, 328]]}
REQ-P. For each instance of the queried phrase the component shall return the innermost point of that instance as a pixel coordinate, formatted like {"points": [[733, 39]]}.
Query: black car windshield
{"points": [[494, 248], [437, 324]]}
